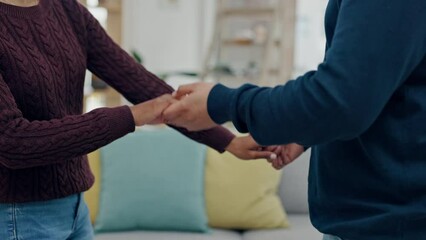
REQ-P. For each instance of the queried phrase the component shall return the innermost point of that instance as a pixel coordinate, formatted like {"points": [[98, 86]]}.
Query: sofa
{"points": [[293, 194]]}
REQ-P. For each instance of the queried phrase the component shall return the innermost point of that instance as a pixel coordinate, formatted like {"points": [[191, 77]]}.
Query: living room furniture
{"points": [[293, 194]]}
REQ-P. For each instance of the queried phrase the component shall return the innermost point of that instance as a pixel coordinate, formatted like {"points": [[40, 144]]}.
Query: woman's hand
{"points": [[285, 154], [150, 112], [246, 148]]}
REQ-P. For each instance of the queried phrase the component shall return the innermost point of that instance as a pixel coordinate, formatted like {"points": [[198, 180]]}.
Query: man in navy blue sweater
{"points": [[363, 111]]}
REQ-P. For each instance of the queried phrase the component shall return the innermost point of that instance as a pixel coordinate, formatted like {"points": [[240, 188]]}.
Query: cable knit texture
{"points": [[44, 53]]}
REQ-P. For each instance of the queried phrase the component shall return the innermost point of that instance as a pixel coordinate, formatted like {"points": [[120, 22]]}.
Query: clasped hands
{"points": [[187, 107]]}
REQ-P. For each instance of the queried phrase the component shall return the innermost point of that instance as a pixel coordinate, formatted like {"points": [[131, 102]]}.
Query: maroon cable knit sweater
{"points": [[44, 52]]}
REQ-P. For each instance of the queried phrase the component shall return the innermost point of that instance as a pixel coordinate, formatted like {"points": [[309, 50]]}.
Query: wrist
{"points": [[136, 116], [231, 146]]}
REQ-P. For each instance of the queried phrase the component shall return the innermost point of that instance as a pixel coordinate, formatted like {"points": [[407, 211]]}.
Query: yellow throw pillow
{"points": [[92, 195], [242, 194]]}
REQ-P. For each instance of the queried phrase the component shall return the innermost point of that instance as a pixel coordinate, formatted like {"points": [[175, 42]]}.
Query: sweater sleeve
{"points": [[375, 47], [25, 144], [117, 68]]}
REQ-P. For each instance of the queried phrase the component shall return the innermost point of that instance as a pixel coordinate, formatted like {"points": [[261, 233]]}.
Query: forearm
{"points": [[363, 68], [217, 138], [112, 64], [25, 144]]}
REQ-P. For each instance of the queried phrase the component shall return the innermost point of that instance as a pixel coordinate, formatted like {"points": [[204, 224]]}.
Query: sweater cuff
{"points": [[223, 136], [219, 103], [121, 121]]}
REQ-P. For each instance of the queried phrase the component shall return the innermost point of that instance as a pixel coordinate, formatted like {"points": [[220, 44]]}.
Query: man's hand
{"points": [[190, 111], [246, 148], [285, 154]]}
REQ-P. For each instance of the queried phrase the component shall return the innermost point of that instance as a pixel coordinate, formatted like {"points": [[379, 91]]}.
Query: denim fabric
{"points": [[59, 219], [329, 237]]}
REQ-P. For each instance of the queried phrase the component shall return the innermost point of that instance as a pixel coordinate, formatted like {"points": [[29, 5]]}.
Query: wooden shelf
{"points": [[240, 42], [248, 11], [270, 46], [247, 43]]}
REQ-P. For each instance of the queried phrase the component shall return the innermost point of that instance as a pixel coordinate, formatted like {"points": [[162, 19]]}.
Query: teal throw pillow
{"points": [[152, 180]]}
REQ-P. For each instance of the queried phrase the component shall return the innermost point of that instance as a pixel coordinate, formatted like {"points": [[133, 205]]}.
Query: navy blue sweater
{"points": [[363, 110]]}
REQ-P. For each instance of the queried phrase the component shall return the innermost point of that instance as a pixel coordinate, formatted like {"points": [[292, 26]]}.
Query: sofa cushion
{"points": [[300, 229], [152, 180], [242, 194], [148, 235], [294, 185]]}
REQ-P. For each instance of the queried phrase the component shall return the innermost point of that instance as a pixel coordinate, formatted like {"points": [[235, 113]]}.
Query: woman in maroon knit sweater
{"points": [[45, 48]]}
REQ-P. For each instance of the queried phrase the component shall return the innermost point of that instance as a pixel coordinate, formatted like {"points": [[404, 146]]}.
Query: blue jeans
{"points": [[59, 219], [329, 237]]}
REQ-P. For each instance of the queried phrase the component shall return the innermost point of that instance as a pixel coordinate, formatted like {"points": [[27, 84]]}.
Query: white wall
{"points": [[168, 37], [176, 38], [310, 37]]}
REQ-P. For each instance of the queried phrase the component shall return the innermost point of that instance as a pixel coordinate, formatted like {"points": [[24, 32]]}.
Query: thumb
{"points": [[184, 90], [262, 155]]}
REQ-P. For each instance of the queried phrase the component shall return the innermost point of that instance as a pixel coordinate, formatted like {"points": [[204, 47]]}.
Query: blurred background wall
{"points": [[174, 35]]}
